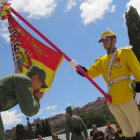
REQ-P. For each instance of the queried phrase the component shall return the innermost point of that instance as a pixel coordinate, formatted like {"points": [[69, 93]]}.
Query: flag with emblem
{"points": [[28, 51]]}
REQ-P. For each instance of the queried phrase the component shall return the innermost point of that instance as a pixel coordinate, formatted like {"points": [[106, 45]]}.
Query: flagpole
{"points": [[107, 97]]}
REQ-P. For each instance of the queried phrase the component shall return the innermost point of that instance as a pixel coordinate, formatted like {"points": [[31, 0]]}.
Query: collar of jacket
{"points": [[110, 52]]}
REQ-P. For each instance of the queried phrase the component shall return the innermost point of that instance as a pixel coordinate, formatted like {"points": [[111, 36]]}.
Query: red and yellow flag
{"points": [[28, 51]]}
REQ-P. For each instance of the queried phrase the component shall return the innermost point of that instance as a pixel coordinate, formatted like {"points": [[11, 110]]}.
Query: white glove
{"points": [[137, 98], [73, 64]]}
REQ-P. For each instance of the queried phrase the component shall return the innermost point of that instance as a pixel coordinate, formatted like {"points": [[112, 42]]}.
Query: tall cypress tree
{"points": [[20, 132], [30, 130], [48, 129], [38, 129], [133, 24], [44, 132]]}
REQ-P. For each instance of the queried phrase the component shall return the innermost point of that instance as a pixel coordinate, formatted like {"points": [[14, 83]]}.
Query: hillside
{"points": [[57, 123]]}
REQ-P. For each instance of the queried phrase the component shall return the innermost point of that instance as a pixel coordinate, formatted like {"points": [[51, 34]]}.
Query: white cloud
{"points": [[35, 8], [5, 36], [134, 3], [70, 5], [113, 8], [11, 118], [95, 9], [4, 31], [51, 107]]}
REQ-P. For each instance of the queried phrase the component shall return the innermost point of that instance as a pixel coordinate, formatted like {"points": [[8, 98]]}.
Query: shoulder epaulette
{"points": [[127, 48], [96, 60]]}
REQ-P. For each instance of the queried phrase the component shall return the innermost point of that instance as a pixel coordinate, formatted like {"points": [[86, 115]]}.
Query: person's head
{"points": [[109, 39], [68, 111], [93, 126], [95, 130], [54, 137], [107, 123], [39, 137], [57, 138], [116, 124], [37, 76]]}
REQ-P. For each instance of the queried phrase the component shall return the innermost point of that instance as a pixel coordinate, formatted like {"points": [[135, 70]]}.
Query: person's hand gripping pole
{"points": [[83, 71]]}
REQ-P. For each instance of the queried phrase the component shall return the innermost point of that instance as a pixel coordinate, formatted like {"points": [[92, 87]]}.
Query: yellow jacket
{"points": [[127, 64]]}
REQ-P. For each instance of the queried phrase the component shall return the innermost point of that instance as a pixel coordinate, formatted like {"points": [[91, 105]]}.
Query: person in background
{"points": [[118, 132], [98, 135], [109, 132], [55, 137], [92, 131], [75, 125], [40, 137]]}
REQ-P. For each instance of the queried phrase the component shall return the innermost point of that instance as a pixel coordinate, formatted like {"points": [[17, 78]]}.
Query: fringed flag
{"points": [[28, 51]]}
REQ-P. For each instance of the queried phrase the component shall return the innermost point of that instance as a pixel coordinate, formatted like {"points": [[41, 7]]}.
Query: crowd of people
{"points": [[76, 126], [112, 132]]}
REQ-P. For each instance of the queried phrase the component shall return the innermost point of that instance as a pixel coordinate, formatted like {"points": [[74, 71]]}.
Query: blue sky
{"points": [[75, 27]]}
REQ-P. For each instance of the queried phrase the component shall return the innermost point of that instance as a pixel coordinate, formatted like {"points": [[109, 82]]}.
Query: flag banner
{"points": [[36, 53], [28, 51]]}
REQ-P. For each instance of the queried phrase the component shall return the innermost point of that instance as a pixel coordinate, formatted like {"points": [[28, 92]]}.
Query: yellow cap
{"points": [[106, 34]]}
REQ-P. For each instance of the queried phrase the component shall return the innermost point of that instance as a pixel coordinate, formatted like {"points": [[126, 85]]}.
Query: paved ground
{"points": [[62, 136]]}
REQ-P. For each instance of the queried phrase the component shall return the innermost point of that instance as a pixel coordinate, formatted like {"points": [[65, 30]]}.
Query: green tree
{"points": [[47, 128], [133, 24], [44, 132], [20, 132], [30, 132], [43, 129], [38, 129], [94, 118]]}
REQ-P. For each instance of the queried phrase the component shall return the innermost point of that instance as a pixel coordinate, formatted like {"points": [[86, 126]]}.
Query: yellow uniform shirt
{"points": [[125, 63]]}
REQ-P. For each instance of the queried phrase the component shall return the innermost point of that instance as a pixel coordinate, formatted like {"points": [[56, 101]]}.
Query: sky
{"points": [[75, 27]]}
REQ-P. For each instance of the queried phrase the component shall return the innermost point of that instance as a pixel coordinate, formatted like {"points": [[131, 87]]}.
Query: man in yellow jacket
{"points": [[116, 68]]}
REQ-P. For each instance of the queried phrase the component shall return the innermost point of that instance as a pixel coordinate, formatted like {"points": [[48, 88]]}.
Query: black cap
{"points": [[69, 109]]}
